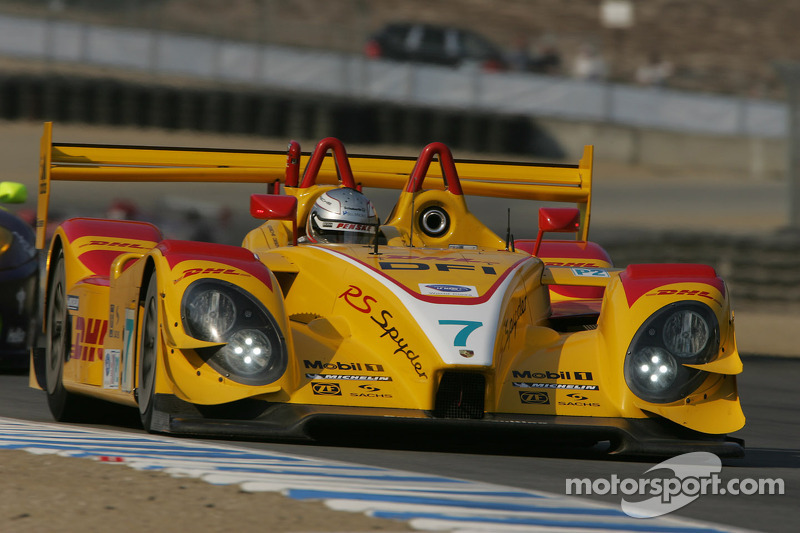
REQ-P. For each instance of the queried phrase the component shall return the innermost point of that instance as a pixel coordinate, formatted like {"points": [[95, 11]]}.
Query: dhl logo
{"points": [[197, 271], [682, 292], [116, 244], [90, 334], [575, 264], [449, 259]]}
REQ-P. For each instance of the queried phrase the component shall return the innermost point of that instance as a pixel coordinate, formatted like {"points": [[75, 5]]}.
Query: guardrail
{"points": [[351, 76]]}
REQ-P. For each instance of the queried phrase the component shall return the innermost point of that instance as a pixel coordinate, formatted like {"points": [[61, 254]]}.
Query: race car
{"points": [[19, 268], [326, 318]]}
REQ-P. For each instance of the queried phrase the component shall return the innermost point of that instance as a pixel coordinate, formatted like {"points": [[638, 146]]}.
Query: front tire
{"points": [[64, 406], [148, 354]]}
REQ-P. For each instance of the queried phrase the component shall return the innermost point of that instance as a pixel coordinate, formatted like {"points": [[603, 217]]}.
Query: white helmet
{"points": [[342, 216]]}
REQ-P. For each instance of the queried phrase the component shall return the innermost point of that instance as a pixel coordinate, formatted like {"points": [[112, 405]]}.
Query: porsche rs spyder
{"points": [[433, 323]]}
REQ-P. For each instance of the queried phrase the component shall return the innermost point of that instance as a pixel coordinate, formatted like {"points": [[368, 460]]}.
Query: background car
{"points": [[441, 45], [19, 267]]}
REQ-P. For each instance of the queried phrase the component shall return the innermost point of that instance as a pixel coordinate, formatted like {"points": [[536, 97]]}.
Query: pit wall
{"points": [[246, 110], [757, 158]]}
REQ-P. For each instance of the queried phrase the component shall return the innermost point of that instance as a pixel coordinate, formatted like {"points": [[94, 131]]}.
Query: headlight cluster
{"points": [[254, 350], [680, 333]]}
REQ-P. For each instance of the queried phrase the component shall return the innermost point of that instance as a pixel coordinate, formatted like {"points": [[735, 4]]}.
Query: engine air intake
{"points": [[460, 395], [434, 221]]}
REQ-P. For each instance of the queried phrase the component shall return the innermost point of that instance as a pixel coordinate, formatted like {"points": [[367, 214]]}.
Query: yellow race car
{"points": [[327, 319]]}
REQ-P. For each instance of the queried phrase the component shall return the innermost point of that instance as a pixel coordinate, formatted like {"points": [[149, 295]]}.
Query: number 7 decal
{"points": [[468, 327]]}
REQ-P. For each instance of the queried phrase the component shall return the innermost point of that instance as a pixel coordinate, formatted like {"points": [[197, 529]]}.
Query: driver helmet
{"points": [[342, 216]]}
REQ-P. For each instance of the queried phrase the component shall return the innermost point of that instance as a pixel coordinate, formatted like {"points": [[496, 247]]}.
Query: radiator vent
{"points": [[460, 395]]}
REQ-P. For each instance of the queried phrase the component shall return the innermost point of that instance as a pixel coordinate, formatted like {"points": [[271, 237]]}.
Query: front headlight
{"points": [[253, 349], [210, 315], [686, 333], [654, 368], [678, 334], [248, 352]]}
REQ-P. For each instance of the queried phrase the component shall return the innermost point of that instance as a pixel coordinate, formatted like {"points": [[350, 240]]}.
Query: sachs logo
{"points": [[449, 288]]}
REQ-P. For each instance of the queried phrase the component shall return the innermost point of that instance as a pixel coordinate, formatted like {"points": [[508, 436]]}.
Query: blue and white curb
{"points": [[426, 502]]}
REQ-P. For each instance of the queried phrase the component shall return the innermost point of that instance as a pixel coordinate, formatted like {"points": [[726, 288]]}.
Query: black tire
{"points": [[64, 406], [148, 354]]}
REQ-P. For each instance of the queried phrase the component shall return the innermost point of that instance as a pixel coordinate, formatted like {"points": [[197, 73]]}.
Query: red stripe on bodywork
{"points": [[99, 261], [578, 250], [564, 249], [100, 281], [98, 227], [577, 291], [235, 256], [440, 299], [637, 280]]}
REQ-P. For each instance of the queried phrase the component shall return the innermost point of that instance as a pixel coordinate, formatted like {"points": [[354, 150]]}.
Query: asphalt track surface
{"points": [[772, 433]]}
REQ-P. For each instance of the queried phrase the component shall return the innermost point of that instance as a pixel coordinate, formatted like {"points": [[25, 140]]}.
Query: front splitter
{"points": [[261, 420]]}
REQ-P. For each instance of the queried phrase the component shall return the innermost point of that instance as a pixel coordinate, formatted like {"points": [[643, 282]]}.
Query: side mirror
{"points": [[557, 220], [12, 192], [274, 207]]}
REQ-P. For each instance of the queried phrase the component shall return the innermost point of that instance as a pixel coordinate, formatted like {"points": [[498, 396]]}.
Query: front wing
{"points": [[298, 422]]}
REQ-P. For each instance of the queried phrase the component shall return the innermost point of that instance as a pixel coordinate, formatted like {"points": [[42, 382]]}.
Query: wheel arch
{"points": [[56, 247], [149, 268], [147, 272]]}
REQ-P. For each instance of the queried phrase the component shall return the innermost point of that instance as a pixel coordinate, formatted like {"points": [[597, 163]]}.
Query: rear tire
{"points": [[148, 354], [64, 406]]}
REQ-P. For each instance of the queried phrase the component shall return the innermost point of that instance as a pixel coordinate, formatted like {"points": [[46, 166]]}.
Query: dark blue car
{"points": [[19, 267]]}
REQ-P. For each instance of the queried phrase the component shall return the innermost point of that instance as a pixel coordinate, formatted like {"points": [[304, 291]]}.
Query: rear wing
{"points": [[88, 162]]}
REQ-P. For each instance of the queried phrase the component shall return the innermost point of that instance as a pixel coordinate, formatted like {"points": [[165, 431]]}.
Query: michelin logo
{"points": [[573, 386], [348, 377]]}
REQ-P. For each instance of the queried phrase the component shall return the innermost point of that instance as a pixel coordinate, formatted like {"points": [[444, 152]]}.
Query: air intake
{"points": [[460, 395], [434, 221]]}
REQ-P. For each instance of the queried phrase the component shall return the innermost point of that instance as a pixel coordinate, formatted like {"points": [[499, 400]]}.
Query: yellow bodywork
{"points": [[359, 328]]}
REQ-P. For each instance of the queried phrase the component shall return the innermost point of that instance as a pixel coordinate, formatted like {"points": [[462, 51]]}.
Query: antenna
{"points": [[375, 239], [508, 229], [413, 215], [509, 235]]}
